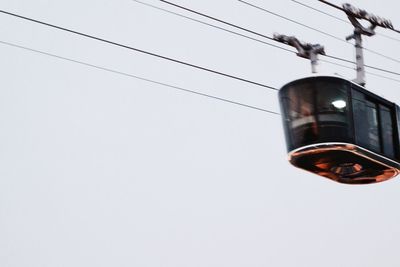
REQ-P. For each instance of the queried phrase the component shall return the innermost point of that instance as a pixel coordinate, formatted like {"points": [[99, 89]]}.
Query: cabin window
{"points": [[316, 112], [373, 124], [300, 116], [365, 122], [387, 131], [372, 121], [332, 109]]}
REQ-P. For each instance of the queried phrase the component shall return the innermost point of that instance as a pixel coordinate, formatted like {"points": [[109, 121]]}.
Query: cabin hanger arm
{"points": [[304, 50]]}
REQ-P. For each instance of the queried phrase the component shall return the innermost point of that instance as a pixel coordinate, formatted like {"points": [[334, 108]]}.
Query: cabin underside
{"points": [[344, 163]]}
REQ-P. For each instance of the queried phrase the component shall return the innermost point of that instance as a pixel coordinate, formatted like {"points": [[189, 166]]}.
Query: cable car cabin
{"points": [[339, 130]]}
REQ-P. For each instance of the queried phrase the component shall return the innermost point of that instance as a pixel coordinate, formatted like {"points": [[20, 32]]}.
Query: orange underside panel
{"points": [[345, 164]]}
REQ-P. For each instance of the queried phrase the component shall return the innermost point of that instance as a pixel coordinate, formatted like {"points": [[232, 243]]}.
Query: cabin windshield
{"points": [[316, 111]]}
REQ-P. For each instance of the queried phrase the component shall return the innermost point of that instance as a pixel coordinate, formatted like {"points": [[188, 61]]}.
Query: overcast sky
{"points": [[101, 169]]}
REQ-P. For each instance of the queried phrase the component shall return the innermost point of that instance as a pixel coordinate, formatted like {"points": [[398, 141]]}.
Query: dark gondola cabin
{"points": [[339, 130]]}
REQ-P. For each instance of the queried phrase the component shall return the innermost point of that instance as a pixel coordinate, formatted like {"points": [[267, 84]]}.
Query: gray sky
{"points": [[99, 169]]}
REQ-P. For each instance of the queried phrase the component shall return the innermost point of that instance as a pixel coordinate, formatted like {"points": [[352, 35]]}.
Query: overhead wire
{"points": [[317, 30], [293, 21], [135, 77], [320, 11], [266, 36], [218, 20], [138, 50], [367, 72], [365, 65], [212, 25]]}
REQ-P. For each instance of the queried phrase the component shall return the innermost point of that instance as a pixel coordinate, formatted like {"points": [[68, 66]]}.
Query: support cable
{"points": [[368, 72], [138, 50], [212, 25], [135, 77]]}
